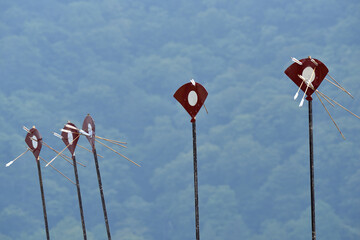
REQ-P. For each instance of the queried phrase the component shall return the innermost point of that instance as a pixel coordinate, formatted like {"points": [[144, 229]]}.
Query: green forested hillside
{"points": [[122, 61]]}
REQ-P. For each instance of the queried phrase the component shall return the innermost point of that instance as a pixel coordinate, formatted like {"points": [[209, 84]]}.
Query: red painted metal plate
{"points": [[191, 97], [89, 127], [71, 137], [33, 140], [310, 71]]}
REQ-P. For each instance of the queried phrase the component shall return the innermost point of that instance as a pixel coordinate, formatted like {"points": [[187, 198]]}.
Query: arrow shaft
{"points": [[11, 162], [62, 151], [109, 140], [89, 150], [117, 153], [58, 171], [330, 115], [62, 155], [340, 86]]}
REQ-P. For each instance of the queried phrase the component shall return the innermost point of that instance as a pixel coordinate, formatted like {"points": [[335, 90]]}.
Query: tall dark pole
{"points": [[43, 200], [79, 197], [196, 182], [311, 147], [102, 194]]}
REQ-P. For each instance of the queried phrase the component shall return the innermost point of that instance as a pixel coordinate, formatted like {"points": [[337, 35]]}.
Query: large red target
{"points": [[307, 71]]}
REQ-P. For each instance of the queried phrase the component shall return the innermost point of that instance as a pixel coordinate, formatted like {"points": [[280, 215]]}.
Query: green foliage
{"points": [[121, 61]]}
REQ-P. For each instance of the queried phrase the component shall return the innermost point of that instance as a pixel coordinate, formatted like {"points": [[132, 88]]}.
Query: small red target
{"points": [[70, 136], [33, 140], [89, 127], [192, 97]]}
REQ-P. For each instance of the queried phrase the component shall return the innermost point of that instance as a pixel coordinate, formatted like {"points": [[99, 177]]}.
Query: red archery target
{"points": [[312, 70], [70, 137], [191, 97], [89, 127], [33, 140]]}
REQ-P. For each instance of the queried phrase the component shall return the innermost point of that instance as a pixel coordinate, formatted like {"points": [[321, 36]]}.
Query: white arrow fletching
{"points": [[84, 133], [26, 129], [301, 77], [57, 135], [9, 163], [193, 82], [301, 103], [296, 95], [72, 127], [314, 62], [64, 130], [295, 60], [51, 161]]}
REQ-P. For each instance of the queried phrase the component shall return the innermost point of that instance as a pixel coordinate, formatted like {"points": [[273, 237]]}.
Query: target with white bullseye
{"points": [[70, 137], [89, 127], [192, 97], [307, 74], [33, 140]]}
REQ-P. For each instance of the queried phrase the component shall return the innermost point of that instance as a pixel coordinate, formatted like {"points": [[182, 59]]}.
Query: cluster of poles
{"points": [[306, 73], [70, 135]]}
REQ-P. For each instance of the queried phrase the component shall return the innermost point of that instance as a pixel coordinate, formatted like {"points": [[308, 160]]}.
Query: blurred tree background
{"points": [[121, 61]]}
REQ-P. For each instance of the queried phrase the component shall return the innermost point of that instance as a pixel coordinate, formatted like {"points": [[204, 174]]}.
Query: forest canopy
{"points": [[122, 61]]}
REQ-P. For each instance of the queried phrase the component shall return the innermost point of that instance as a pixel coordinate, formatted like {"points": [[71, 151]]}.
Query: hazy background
{"points": [[122, 61]]}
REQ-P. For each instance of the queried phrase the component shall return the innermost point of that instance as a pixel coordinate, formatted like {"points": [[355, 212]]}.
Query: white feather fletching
{"points": [[295, 60], [9, 163]]}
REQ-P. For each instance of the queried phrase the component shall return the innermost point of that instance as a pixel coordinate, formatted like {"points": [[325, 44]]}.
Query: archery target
{"points": [[191, 97], [33, 140], [313, 73]]}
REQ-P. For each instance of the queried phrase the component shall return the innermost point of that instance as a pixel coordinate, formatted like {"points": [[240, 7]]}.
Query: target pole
{"points": [[192, 97], [43, 200], [196, 182], [312, 187], [102, 194], [79, 197]]}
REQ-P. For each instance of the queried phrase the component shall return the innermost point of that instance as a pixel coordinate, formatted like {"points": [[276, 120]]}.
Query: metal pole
{"points": [[311, 147], [79, 197], [43, 200], [102, 194], [196, 182]]}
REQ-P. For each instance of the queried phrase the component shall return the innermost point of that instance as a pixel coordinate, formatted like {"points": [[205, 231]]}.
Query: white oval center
{"points": [[309, 74], [90, 130], [34, 141], [70, 138], [192, 98]]}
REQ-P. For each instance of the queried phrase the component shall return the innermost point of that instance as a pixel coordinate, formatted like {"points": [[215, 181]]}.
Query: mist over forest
{"points": [[122, 61]]}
